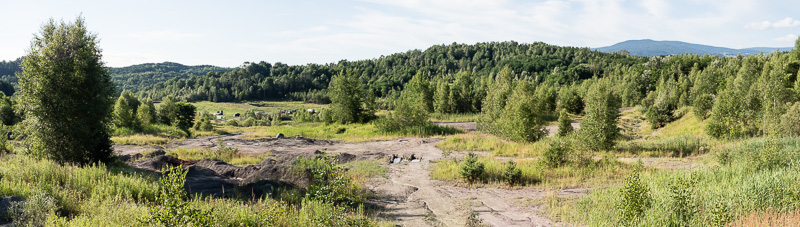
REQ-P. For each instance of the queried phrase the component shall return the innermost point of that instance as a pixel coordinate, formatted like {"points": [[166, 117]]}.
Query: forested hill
{"points": [[135, 77], [130, 78], [650, 48], [539, 61]]}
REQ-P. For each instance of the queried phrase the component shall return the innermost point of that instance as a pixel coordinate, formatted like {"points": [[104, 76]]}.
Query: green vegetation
{"points": [[599, 129], [66, 98], [349, 102], [170, 207]]}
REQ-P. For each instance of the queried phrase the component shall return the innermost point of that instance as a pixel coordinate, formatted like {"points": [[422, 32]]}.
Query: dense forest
{"points": [[129, 78], [386, 75]]}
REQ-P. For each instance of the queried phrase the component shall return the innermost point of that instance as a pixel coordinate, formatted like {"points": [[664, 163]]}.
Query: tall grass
{"points": [[455, 117], [228, 154], [752, 176], [477, 141], [119, 196], [580, 172]]}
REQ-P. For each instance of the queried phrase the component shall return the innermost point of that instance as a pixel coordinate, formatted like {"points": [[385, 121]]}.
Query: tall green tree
{"points": [[520, 120], [185, 113], [420, 84], [349, 102], [123, 115], [167, 112], [442, 98], [66, 94], [146, 112], [495, 102], [599, 126]]}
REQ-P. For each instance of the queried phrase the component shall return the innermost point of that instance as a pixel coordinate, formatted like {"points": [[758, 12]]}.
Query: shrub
{"points": [[564, 124], [720, 214], [512, 175], [556, 154], [170, 208], [34, 211], [471, 169], [635, 200], [249, 122], [329, 183], [681, 190], [233, 123]]}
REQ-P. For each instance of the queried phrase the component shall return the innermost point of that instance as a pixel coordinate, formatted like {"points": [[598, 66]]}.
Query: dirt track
{"points": [[409, 196]]}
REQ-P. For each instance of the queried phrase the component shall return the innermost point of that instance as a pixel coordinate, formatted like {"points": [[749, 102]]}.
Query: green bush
{"points": [[681, 191], [790, 121], [328, 182], [170, 208], [471, 170], [564, 124], [233, 123], [635, 201], [512, 174], [249, 122], [555, 155]]}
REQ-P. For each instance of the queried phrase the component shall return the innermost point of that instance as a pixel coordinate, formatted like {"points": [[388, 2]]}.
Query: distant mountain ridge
{"points": [[647, 47]]}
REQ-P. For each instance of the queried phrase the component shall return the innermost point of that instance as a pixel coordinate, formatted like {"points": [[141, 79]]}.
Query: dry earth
{"points": [[408, 195]]}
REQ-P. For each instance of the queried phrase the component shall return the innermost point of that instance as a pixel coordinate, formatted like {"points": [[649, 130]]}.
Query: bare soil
{"points": [[408, 196]]}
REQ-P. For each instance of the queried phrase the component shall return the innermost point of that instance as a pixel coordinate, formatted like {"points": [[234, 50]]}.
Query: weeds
{"points": [[170, 208]]}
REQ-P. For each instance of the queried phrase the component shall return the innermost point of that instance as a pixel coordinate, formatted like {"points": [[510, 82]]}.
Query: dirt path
{"points": [[408, 195], [466, 126]]}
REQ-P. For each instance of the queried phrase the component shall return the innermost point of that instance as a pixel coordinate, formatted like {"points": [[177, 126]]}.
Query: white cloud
{"points": [[790, 38], [787, 22], [164, 35]]}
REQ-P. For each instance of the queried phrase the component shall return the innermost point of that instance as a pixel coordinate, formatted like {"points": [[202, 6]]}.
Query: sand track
{"points": [[408, 196]]}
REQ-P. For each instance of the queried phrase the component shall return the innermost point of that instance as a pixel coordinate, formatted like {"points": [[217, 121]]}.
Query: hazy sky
{"points": [[228, 33]]}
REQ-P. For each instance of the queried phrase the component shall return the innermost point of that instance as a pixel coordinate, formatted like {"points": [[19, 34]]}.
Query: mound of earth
{"points": [[219, 179]]}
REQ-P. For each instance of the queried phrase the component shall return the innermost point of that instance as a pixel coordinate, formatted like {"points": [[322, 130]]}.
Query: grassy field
{"points": [[578, 173]]}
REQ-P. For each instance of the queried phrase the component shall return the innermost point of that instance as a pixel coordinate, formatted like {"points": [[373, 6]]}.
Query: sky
{"points": [[229, 33]]}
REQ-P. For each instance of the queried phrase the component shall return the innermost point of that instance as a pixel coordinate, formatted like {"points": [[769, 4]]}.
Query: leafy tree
{"points": [[146, 112], [348, 99], [185, 113], [408, 112], [496, 101], [569, 99], [66, 95], [599, 126], [123, 115], [564, 123], [520, 120], [442, 98], [737, 110], [167, 112], [420, 84], [702, 106], [790, 121], [7, 115]]}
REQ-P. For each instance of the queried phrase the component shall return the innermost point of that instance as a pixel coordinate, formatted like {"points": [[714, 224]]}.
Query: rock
{"points": [[5, 205], [298, 137], [279, 136], [156, 153]]}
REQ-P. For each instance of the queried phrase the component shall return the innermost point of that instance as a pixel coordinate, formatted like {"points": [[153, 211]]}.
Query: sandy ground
{"points": [[408, 195]]}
